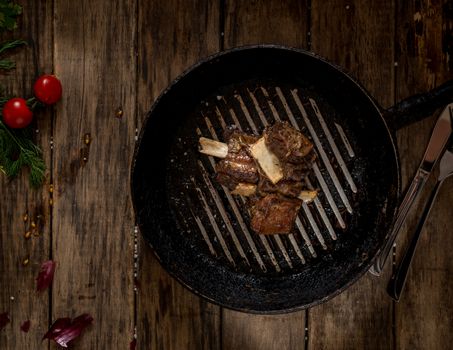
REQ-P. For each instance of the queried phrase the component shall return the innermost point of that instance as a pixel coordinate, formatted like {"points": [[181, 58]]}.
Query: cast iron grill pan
{"points": [[201, 233]]}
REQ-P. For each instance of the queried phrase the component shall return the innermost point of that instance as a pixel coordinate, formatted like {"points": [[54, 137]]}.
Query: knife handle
{"points": [[398, 280], [410, 198]]}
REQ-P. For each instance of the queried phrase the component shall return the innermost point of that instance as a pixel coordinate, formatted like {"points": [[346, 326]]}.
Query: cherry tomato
{"points": [[16, 113], [48, 89]]}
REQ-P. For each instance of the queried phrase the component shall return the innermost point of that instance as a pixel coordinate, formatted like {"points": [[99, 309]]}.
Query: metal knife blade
{"points": [[396, 284], [439, 137], [441, 134]]}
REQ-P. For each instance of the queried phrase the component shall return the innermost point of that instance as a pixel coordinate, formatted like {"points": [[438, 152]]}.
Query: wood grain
{"points": [[266, 22], [118, 56], [358, 37], [424, 315], [285, 23], [250, 332], [18, 286], [93, 223], [172, 36]]}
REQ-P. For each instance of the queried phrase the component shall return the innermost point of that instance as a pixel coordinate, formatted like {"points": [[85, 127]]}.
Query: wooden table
{"points": [[114, 57]]}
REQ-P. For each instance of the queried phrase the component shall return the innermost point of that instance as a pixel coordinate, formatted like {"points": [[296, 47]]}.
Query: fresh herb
{"points": [[8, 13], [17, 150], [5, 63]]}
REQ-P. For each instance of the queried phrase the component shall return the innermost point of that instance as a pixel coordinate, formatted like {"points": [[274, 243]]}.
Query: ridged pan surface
{"points": [[201, 232]]}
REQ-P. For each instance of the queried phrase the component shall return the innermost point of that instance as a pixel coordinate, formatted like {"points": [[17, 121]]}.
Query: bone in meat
{"points": [[267, 160], [213, 148], [238, 172], [238, 167], [268, 170]]}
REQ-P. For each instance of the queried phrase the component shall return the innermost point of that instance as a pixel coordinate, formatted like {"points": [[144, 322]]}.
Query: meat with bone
{"points": [[238, 167], [270, 169]]}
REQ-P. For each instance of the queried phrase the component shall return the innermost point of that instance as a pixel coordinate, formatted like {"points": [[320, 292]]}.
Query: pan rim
{"points": [[340, 70]]}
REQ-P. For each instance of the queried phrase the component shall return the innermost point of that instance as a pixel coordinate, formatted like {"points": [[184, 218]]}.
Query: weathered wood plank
{"points": [[250, 332], [359, 37], [18, 285], [172, 35], [255, 22], [93, 223], [424, 315], [266, 22]]}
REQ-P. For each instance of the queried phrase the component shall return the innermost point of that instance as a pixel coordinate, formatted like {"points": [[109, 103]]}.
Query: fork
{"points": [[398, 280]]}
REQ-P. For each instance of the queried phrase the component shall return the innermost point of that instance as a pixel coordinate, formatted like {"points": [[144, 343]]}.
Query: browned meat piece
{"points": [[287, 143], [269, 170], [274, 214], [233, 134], [288, 188], [238, 166], [295, 172]]}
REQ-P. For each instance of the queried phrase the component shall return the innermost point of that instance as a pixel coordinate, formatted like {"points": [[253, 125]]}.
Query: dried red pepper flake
{"points": [[45, 276], [25, 327], [133, 344], [63, 330], [4, 320]]}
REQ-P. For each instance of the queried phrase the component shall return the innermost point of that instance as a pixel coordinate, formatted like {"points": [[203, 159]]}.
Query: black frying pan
{"points": [[200, 233]]}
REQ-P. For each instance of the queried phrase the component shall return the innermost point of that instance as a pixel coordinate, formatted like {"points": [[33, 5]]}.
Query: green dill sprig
{"points": [[17, 150], [6, 63]]}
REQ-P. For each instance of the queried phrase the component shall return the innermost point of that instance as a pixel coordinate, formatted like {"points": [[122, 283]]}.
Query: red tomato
{"points": [[48, 89], [16, 113]]}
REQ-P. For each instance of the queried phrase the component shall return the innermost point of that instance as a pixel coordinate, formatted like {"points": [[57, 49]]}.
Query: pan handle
{"points": [[420, 106]]}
